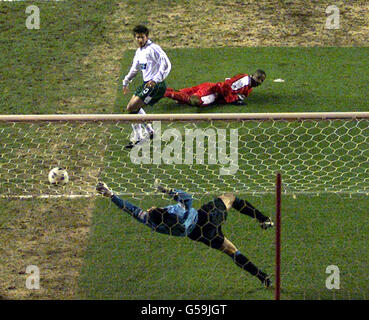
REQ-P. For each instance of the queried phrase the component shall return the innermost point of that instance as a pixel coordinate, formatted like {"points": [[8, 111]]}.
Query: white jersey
{"points": [[152, 61]]}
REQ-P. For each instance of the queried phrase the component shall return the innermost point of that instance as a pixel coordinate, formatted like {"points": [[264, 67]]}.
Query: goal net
{"points": [[322, 158]]}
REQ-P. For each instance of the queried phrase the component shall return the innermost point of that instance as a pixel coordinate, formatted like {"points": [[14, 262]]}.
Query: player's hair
{"points": [[260, 72], [140, 29]]}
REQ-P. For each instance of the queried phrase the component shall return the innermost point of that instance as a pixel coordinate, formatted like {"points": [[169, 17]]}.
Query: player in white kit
{"points": [[155, 67]]}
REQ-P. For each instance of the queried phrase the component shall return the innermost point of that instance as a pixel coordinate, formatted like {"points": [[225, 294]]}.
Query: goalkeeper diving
{"points": [[202, 225]]}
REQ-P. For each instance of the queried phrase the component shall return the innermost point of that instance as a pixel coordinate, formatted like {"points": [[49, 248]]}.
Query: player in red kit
{"points": [[232, 90]]}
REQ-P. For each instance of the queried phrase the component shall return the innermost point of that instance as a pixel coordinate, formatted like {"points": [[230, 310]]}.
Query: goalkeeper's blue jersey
{"points": [[179, 220], [183, 212]]}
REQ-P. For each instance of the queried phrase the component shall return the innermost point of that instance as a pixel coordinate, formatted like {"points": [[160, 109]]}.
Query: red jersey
{"points": [[231, 90], [235, 88]]}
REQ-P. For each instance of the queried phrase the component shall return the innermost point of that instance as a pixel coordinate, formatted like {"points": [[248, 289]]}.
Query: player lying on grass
{"points": [[233, 90], [155, 67], [203, 225]]}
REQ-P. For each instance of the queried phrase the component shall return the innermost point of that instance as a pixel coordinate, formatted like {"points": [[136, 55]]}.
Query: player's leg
{"points": [[180, 97], [138, 131], [195, 96], [228, 199], [245, 207], [207, 232], [135, 104], [207, 99], [142, 97], [243, 262], [147, 126], [133, 107], [207, 94]]}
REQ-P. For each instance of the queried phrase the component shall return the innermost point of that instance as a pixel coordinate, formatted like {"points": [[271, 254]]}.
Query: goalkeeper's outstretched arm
{"points": [[178, 195], [135, 212]]}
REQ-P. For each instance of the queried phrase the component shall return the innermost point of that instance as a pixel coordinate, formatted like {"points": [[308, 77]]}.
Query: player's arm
{"points": [[131, 209], [231, 95], [179, 196], [161, 57], [225, 90], [240, 101], [134, 211], [131, 74]]}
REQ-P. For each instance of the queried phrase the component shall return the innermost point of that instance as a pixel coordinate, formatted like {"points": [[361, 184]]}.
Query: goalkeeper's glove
{"points": [[161, 189], [158, 187]]}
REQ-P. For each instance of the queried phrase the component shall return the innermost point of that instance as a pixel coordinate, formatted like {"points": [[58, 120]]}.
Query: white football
{"points": [[58, 176]]}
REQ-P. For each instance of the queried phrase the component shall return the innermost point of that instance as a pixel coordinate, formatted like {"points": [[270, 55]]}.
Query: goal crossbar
{"points": [[186, 117]]}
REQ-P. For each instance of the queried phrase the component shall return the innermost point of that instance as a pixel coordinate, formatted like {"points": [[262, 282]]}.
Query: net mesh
{"points": [[324, 167], [313, 157]]}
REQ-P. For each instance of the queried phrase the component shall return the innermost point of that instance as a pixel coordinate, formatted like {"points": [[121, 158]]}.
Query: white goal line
{"points": [[188, 116]]}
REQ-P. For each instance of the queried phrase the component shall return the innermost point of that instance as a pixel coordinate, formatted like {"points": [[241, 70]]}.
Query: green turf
{"points": [[125, 260], [316, 79], [128, 261], [41, 69]]}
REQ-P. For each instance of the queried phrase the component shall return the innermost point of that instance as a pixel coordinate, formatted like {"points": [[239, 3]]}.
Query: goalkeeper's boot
{"points": [[267, 282], [268, 223], [265, 279], [103, 189]]}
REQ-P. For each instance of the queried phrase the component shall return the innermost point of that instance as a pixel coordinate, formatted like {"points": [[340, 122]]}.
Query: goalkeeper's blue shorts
{"points": [[208, 228]]}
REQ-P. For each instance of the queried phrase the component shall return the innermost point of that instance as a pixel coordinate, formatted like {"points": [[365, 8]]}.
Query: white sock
{"points": [[147, 126], [137, 130]]}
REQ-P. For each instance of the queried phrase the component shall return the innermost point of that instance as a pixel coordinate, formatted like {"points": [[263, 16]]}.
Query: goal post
{"points": [[278, 200], [321, 157], [187, 117]]}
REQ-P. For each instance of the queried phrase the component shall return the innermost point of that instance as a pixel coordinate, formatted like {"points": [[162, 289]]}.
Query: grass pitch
{"points": [[126, 261], [48, 71], [316, 79]]}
